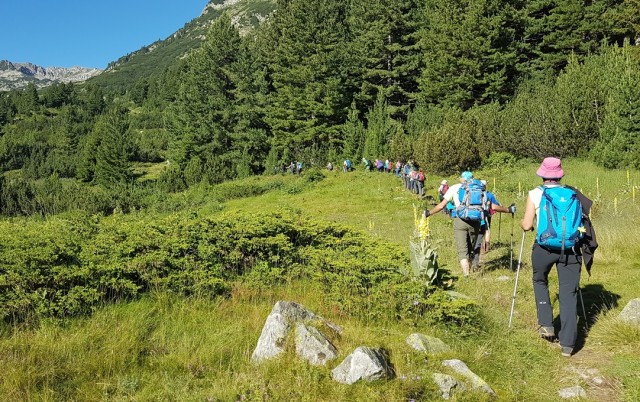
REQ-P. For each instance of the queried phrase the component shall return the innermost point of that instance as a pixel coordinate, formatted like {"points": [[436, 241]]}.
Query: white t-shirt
{"points": [[452, 194]]}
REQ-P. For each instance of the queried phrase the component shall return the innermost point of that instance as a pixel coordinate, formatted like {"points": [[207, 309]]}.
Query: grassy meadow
{"points": [[166, 347]]}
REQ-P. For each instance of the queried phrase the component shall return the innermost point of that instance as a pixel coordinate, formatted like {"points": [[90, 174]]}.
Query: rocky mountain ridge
{"points": [[19, 75]]}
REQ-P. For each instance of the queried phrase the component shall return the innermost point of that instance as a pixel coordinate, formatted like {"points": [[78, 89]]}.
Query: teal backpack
{"points": [[560, 218], [473, 201]]}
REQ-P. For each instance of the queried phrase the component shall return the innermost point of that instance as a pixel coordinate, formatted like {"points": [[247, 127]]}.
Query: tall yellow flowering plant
{"points": [[424, 257]]}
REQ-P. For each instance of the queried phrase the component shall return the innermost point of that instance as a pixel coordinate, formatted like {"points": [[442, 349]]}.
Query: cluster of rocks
{"points": [[291, 322]]}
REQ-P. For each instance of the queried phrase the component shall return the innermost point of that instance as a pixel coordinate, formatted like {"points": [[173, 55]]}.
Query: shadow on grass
{"points": [[595, 300], [503, 257]]}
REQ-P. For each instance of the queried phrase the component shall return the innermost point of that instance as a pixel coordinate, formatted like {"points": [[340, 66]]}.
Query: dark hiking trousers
{"points": [[568, 267]]}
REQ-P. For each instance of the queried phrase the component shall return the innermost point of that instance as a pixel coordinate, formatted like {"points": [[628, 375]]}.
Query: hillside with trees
{"points": [[446, 84]]}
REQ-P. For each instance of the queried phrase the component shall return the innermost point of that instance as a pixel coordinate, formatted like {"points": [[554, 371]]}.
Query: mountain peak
{"points": [[19, 75]]}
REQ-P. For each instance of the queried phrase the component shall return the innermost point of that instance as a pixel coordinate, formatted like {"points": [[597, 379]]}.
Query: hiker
{"points": [[482, 243], [470, 202], [442, 189], [330, 166], [562, 250], [346, 165], [405, 175], [420, 182], [367, 164]]}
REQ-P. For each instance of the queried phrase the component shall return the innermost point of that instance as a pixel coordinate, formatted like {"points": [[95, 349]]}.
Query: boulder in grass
{"points": [[428, 344], [446, 383], [313, 346], [363, 364], [631, 312], [476, 382], [273, 338], [279, 325]]}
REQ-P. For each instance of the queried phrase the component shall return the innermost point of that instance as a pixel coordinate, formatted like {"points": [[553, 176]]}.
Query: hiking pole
{"points": [[584, 312], [513, 220], [515, 288], [499, 224]]}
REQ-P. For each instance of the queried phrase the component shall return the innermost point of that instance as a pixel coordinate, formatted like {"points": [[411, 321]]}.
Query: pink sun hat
{"points": [[551, 168]]}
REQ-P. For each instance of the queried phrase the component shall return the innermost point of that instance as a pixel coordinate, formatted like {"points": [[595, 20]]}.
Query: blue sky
{"points": [[87, 33]]}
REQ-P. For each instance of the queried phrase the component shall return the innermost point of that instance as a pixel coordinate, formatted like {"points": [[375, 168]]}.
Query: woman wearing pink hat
{"points": [[567, 261]]}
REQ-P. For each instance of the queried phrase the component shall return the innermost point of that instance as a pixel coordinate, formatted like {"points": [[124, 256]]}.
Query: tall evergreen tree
{"points": [[384, 51], [204, 106], [308, 101], [469, 50], [112, 153], [619, 144]]}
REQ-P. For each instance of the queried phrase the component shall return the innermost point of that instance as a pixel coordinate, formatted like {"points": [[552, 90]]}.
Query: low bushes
{"points": [[68, 266]]}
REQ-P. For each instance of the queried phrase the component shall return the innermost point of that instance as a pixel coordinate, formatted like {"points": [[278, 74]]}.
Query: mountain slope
{"points": [[146, 62], [156, 57]]}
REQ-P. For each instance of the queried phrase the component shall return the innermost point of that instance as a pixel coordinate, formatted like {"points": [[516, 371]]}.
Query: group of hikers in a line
{"points": [[564, 238], [559, 214]]}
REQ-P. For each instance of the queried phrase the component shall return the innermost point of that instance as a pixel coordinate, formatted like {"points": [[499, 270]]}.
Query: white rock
{"points": [[313, 346], [461, 368], [363, 364]]}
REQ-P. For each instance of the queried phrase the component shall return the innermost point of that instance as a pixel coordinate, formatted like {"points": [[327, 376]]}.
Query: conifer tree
{"points": [[308, 101], [469, 52], [204, 106], [384, 52], [619, 145], [112, 153]]}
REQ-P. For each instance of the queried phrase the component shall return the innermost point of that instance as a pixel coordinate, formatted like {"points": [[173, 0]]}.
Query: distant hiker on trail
{"points": [[471, 204], [346, 165], [367, 164], [292, 167], [420, 183], [330, 166], [442, 189], [564, 236], [398, 167], [406, 170]]}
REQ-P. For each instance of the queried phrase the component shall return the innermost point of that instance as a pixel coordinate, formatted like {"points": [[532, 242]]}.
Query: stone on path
{"points": [[572, 392]]}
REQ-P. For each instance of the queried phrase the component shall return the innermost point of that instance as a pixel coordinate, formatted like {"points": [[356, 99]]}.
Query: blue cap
{"points": [[467, 175]]}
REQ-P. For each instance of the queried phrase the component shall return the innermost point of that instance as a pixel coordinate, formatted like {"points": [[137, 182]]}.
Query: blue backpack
{"points": [[560, 218], [473, 201]]}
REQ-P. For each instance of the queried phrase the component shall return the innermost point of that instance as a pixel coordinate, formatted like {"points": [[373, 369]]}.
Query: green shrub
{"points": [[66, 267]]}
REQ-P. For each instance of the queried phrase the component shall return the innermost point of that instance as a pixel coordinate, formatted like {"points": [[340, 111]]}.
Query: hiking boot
{"points": [[566, 351], [546, 332]]}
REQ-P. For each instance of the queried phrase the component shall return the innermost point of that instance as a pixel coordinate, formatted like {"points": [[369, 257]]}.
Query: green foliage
{"points": [[71, 265], [617, 146]]}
